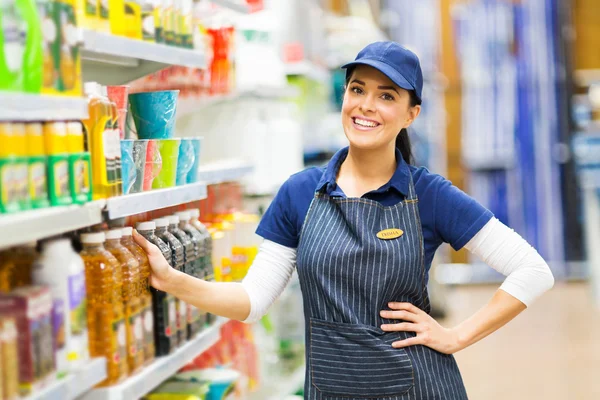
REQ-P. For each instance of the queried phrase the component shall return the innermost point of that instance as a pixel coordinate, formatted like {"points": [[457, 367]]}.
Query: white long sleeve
{"points": [[528, 275], [268, 277]]}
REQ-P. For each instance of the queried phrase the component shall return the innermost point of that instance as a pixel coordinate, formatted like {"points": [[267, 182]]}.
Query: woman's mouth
{"points": [[364, 124]]}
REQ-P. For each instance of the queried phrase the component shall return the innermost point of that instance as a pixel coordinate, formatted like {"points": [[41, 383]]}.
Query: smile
{"points": [[365, 123]]}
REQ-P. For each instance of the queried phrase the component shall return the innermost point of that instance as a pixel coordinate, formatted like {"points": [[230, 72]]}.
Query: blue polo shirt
{"points": [[447, 214]]}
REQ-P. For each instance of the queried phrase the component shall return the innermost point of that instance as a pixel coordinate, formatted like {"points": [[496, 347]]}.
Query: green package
{"points": [[38, 182], [21, 180], [9, 201], [80, 177], [58, 180]]}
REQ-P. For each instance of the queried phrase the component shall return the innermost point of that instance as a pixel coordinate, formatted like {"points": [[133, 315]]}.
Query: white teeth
{"points": [[362, 122]]}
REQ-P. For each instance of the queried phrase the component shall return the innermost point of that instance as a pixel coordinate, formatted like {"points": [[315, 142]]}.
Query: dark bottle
{"points": [[193, 314], [207, 264], [177, 262], [163, 304]]}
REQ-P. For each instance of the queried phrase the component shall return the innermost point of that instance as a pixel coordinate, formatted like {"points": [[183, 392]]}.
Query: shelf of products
{"points": [[34, 107], [160, 370], [216, 173], [32, 225], [74, 385], [235, 5], [114, 60], [131, 204]]}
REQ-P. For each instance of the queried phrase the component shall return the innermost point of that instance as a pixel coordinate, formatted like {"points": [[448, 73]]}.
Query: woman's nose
{"points": [[367, 104]]}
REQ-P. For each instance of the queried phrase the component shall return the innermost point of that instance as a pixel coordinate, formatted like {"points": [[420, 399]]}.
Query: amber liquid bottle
{"points": [[131, 301], [144, 292], [106, 318]]}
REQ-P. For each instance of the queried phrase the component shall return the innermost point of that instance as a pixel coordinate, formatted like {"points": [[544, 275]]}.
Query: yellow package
{"points": [[87, 14], [117, 17], [70, 54], [50, 20], [133, 19], [104, 11]]}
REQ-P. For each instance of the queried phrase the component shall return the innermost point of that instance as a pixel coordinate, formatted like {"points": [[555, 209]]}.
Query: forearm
{"points": [[226, 299], [500, 310]]}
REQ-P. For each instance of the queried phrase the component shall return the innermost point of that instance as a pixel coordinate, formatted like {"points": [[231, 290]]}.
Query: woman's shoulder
{"points": [[304, 181], [426, 181]]}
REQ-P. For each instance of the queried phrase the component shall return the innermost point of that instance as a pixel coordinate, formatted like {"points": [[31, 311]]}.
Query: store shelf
{"points": [[32, 225], [35, 107], [113, 60], [220, 172], [131, 204], [235, 5], [310, 70], [73, 386], [281, 387], [157, 372]]}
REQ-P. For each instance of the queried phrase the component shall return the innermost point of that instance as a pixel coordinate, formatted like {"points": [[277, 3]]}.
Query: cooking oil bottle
{"points": [[163, 304], [131, 301], [144, 292], [106, 317]]}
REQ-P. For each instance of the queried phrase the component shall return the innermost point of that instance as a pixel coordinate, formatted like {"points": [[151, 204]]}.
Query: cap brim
{"points": [[385, 69]]}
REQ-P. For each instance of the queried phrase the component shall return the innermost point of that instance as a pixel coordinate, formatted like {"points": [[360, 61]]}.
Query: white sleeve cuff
{"points": [[528, 275], [268, 277]]}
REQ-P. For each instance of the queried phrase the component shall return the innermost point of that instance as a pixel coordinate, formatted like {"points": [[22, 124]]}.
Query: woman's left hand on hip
{"points": [[429, 332]]}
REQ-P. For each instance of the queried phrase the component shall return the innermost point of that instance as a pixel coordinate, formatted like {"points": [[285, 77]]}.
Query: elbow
{"points": [[548, 280]]}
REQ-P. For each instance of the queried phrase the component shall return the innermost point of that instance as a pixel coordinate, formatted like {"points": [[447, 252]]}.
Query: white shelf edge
{"points": [[233, 5], [131, 204], [160, 370], [57, 390], [33, 225], [216, 173], [37, 107]]}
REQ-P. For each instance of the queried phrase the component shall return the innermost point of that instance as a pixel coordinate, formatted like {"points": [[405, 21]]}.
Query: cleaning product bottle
{"points": [[9, 200], [193, 315], [49, 13], [103, 22], [79, 164], [70, 58], [131, 301], [178, 262], [145, 295], [149, 10], [163, 304], [106, 324], [38, 165], [114, 144], [62, 270], [21, 166], [55, 137], [87, 14]]}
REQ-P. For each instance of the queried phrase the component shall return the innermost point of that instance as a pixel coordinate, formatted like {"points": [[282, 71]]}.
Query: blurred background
{"points": [[117, 112]]}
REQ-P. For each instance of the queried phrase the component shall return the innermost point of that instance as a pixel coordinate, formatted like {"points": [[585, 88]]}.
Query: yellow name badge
{"points": [[388, 234]]}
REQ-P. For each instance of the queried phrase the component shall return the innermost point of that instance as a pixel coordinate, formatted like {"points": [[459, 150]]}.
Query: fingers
{"points": [[406, 307], [407, 342], [403, 315], [401, 327], [142, 242]]}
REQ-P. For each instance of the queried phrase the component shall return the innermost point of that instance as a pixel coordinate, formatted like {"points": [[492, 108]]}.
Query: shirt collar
{"points": [[399, 181]]}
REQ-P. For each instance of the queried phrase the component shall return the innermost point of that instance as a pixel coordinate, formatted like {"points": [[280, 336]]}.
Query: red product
{"points": [[31, 307]]}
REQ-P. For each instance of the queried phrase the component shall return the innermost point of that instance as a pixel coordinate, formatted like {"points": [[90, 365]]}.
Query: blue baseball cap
{"points": [[399, 64]]}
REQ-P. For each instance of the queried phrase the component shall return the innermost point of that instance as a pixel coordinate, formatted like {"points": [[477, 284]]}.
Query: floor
{"points": [[549, 352]]}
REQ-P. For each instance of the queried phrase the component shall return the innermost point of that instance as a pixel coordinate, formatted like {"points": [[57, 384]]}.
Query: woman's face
{"points": [[375, 109]]}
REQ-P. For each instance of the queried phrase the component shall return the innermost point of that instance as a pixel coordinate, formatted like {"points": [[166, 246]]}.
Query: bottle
{"points": [[114, 144], [38, 165], [79, 164], [23, 257], [207, 263], [131, 301], [62, 270], [163, 304], [106, 322], [145, 295], [87, 14], [21, 166], [177, 262], [9, 360], [55, 138], [103, 21], [193, 315]]}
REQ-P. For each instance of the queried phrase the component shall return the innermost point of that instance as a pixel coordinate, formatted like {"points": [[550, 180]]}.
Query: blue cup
{"points": [[153, 113], [192, 176], [185, 161], [128, 171]]}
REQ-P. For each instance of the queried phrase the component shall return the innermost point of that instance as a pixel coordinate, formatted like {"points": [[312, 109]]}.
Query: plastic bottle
{"points": [[38, 165], [177, 262], [195, 319], [62, 270], [79, 164], [55, 138], [10, 358], [114, 144], [207, 263], [145, 295], [163, 304], [21, 166], [131, 301], [106, 324]]}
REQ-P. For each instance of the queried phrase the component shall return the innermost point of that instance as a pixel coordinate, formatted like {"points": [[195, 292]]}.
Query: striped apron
{"points": [[348, 275]]}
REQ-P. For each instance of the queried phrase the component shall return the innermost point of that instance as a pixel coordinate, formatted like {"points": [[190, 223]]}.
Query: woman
{"points": [[362, 233]]}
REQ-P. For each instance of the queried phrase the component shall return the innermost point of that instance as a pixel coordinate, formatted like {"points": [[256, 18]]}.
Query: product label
{"points": [[69, 48], [135, 334], [107, 138], [58, 323], [38, 185], [61, 178], [148, 22], [104, 9], [82, 177], [14, 29], [148, 326], [120, 335], [21, 180], [77, 303], [91, 8], [171, 315]]}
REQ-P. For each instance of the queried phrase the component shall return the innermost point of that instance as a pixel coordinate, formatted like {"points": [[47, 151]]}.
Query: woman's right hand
{"points": [[161, 272]]}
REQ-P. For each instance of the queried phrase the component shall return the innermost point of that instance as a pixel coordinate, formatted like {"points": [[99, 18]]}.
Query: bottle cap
{"points": [[194, 212], [127, 231], [174, 220], [114, 234], [146, 226], [97, 237], [183, 215], [161, 222]]}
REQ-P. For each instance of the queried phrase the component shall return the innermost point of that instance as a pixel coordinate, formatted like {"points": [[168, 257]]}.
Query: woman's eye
{"points": [[357, 90], [387, 97]]}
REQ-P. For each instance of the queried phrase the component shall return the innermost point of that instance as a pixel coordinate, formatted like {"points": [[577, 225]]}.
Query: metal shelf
{"points": [[32, 225], [220, 172], [160, 370], [34, 107], [113, 60], [234, 5], [131, 204], [74, 385]]}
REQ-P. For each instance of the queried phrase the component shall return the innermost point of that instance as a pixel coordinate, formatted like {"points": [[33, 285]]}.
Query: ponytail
{"points": [[403, 145]]}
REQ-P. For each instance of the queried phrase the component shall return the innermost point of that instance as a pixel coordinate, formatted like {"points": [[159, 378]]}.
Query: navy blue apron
{"points": [[348, 275]]}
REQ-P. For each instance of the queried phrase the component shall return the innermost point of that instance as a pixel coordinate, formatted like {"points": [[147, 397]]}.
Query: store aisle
{"points": [[550, 352]]}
